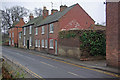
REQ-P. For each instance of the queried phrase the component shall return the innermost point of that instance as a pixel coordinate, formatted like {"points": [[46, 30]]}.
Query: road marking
{"points": [[48, 64], [28, 70], [73, 73], [108, 73]]}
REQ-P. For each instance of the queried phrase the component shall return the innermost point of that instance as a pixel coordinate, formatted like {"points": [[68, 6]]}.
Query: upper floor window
{"points": [[12, 34], [51, 28], [43, 30], [30, 30], [36, 31], [24, 30]]}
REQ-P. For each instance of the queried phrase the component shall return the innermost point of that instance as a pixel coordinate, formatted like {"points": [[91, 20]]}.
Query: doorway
{"points": [[27, 44], [56, 50]]}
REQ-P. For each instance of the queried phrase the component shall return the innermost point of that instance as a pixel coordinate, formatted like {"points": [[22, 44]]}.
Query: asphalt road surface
{"points": [[45, 67]]}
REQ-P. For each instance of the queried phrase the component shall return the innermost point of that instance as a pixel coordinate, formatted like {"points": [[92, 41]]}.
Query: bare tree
{"points": [[38, 11], [10, 15]]}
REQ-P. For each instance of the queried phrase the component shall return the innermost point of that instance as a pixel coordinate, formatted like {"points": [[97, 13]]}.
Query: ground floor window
{"points": [[43, 43], [24, 41], [9, 41], [30, 41], [12, 42], [36, 43], [51, 44]]}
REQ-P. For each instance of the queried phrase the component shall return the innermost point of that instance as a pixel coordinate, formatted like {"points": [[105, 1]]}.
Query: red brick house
{"points": [[68, 18], [113, 34], [14, 32]]}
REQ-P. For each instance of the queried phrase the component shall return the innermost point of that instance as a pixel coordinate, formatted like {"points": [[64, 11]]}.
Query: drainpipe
{"points": [[47, 38]]}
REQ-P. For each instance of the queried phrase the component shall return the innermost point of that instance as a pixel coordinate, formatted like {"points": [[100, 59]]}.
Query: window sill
{"points": [[51, 48], [42, 33], [51, 32]]}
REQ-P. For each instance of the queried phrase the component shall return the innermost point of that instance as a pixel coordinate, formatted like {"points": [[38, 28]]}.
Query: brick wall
{"points": [[112, 34], [73, 20]]}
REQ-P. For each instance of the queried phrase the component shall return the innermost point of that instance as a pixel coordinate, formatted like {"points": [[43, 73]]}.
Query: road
{"points": [[46, 67]]}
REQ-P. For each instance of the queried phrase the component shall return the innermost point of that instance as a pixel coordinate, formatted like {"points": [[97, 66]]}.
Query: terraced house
{"points": [[68, 18], [14, 32], [27, 34]]}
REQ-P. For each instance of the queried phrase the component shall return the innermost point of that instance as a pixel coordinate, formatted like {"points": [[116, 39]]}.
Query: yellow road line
{"points": [[28, 70], [108, 73]]}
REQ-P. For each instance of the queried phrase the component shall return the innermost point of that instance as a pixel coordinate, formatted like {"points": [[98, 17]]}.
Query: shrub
{"points": [[93, 42]]}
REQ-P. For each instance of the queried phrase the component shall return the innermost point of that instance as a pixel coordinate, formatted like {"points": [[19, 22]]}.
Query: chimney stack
{"points": [[45, 12], [53, 11], [63, 7], [31, 16]]}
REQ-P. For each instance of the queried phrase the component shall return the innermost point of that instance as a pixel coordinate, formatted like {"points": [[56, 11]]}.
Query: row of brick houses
{"points": [[41, 33], [14, 31]]}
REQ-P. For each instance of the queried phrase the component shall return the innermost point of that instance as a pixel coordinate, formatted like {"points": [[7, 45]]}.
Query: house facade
{"points": [[27, 35], [68, 18], [14, 32]]}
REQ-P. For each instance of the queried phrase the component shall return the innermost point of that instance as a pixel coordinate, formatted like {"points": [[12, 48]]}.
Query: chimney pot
{"points": [[63, 7]]}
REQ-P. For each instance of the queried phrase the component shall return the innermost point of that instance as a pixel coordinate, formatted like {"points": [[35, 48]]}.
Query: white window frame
{"points": [[46, 43], [36, 31], [42, 43], [13, 34], [51, 44], [38, 43], [24, 41], [12, 41], [24, 30], [10, 35], [30, 41], [43, 30], [9, 41], [30, 30], [19, 35], [51, 28]]}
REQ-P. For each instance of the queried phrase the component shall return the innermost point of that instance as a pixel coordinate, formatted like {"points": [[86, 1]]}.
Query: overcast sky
{"points": [[95, 8]]}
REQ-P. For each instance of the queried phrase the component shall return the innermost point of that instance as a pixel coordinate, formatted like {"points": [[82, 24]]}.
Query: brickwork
{"points": [[112, 33]]}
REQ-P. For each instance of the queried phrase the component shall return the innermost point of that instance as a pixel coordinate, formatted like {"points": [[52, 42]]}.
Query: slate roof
{"points": [[34, 21], [55, 17]]}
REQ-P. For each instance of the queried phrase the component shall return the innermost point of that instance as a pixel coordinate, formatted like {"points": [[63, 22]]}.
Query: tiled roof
{"points": [[55, 17], [34, 21]]}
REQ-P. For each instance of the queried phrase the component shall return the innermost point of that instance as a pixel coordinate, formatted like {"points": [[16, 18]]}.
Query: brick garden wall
{"points": [[70, 46]]}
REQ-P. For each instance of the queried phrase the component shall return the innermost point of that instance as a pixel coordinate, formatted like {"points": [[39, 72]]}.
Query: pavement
{"points": [[44, 63]]}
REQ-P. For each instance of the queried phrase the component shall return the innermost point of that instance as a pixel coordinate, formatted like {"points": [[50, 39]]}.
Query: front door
{"points": [[56, 50], [27, 44]]}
